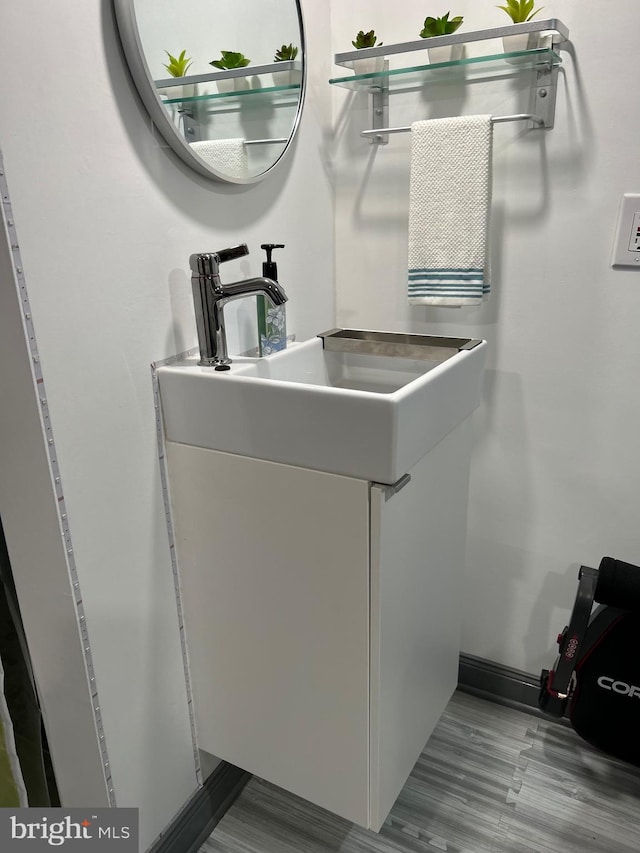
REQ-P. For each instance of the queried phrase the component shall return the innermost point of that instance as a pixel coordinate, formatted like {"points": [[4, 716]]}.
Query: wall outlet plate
{"points": [[626, 246]]}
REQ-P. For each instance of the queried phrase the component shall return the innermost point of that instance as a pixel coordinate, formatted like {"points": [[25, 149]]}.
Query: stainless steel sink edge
{"points": [[395, 344]]}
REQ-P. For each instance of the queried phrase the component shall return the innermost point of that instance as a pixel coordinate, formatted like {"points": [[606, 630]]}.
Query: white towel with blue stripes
{"points": [[450, 204]]}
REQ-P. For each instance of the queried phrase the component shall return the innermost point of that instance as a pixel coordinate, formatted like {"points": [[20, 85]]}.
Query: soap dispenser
{"points": [[272, 321]]}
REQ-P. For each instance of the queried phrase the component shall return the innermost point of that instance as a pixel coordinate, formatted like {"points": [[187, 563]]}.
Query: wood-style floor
{"points": [[491, 780]]}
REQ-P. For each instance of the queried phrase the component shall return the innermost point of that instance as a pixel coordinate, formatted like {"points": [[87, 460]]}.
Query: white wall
{"points": [[107, 218], [556, 464]]}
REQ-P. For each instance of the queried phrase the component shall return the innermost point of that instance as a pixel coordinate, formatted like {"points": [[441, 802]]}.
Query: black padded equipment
{"points": [[618, 585], [596, 677]]}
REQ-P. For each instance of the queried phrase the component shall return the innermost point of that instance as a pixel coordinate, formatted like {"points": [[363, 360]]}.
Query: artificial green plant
{"points": [[230, 59], [520, 11], [440, 26], [178, 66], [366, 40], [285, 53]]}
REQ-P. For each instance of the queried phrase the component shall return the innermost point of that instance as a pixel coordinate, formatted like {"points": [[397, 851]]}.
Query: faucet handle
{"points": [[206, 263], [233, 252]]}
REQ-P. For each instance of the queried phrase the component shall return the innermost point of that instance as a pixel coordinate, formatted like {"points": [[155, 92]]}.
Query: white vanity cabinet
{"points": [[322, 617]]}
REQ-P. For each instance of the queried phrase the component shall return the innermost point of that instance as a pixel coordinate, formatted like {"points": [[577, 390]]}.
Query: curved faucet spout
{"points": [[270, 288]]}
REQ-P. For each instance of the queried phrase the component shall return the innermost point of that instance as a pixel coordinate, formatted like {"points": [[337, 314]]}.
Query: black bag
{"points": [[596, 678]]}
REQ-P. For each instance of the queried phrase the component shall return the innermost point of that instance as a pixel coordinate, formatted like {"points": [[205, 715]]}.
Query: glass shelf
{"points": [[239, 95], [478, 67], [256, 72]]}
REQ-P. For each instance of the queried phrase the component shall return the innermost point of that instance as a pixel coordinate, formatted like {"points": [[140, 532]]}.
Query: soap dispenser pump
{"points": [[272, 321]]}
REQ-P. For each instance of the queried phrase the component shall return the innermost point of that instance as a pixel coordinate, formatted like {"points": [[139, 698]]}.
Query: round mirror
{"points": [[223, 81]]}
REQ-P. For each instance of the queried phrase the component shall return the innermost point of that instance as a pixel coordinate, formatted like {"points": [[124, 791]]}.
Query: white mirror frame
{"points": [[132, 47]]}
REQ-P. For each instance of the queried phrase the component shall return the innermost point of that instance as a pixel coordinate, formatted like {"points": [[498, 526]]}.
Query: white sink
{"points": [[362, 404]]}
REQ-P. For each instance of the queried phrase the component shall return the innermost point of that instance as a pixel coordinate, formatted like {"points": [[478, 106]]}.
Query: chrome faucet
{"points": [[210, 296]]}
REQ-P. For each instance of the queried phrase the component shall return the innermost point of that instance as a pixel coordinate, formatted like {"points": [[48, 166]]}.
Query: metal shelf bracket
{"points": [[543, 94], [379, 110]]}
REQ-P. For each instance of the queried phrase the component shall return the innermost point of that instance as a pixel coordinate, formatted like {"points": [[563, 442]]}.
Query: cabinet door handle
{"points": [[394, 488]]}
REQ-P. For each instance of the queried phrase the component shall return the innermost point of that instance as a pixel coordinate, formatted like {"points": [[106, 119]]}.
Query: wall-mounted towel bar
{"points": [[264, 141], [383, 131], [192, 131], [542, 103]]}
